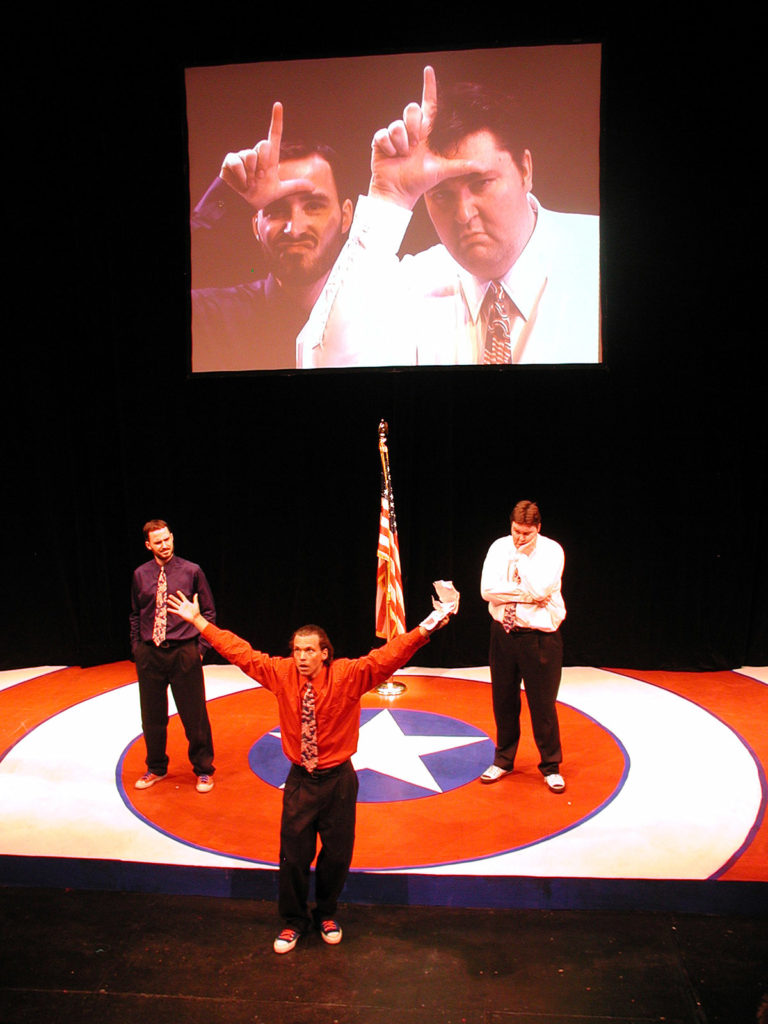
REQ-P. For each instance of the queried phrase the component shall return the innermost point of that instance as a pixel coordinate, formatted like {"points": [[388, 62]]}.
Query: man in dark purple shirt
{"points": [[169, 651], [295, 194]]}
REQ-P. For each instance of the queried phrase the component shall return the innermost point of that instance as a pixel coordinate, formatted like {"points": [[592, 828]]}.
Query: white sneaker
{"points": [[555, 782], [494, 773]]}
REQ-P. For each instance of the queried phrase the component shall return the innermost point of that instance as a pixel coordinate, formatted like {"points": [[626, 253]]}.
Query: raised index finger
{"points": [[429, 96], [275, 134]]}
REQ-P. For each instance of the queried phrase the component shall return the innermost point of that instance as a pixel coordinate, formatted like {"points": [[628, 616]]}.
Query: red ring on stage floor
{"points": [[240, 817]]}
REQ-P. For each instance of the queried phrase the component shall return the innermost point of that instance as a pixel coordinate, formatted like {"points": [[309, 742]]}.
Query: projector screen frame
{"points": [[228, 108]]}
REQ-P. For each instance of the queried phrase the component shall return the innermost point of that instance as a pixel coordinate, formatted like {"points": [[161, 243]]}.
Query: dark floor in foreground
{"points": [[120, 958]]}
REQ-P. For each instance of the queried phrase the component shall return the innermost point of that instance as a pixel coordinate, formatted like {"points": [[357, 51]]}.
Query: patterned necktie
{"points": [[161, 609], [308, 729], [510, 610], [508, 622], [498, 348]]}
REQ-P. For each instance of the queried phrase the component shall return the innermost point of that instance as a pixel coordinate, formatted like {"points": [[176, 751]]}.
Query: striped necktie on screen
{"points": [[161, 609], [498, 348], [308, 729]]}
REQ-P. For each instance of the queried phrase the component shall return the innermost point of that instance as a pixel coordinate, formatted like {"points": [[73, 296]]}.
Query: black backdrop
{"points": [[651, 470]]}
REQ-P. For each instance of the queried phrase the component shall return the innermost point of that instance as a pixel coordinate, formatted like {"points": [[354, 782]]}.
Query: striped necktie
{"points": [[161, 609], [498, 348]]}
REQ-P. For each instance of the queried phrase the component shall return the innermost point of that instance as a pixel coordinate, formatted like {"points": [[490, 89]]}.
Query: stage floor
{"points": [[664, 806]]}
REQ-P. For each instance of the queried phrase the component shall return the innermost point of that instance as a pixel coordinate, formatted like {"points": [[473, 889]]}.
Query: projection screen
{"points": [[291, 270]]}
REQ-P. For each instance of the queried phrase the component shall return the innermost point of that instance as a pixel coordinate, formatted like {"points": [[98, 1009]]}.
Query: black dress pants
{"points": [[178, 666], [536, 658], [320, 804]]}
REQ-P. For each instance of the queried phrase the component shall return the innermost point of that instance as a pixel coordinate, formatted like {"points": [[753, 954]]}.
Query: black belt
{"points": [[321, 773], [166, 644], [517, 629]]}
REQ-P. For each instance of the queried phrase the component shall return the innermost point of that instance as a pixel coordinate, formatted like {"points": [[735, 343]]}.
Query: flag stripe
{"points": [[390, 605]]}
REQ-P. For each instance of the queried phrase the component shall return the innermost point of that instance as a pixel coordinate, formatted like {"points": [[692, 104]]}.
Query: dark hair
{"points": [[297, 149], [322, 636], [152, 525], [526, 513], [464, 108]]}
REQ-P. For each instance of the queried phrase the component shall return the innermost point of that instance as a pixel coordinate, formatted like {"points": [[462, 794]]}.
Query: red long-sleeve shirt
{"points": [[338, 689]]}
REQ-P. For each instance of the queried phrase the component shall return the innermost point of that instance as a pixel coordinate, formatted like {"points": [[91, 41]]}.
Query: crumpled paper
{"points": [[446, 603]]}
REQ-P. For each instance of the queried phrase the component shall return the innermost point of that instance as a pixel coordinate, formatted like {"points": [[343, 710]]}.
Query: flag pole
{"points": [[390, 608]]}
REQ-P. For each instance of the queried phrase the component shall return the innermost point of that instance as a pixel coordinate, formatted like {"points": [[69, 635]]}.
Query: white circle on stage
{"points": [[691, 799]]}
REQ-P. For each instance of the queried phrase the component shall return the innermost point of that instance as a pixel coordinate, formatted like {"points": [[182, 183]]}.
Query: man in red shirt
{"points": [[318, 699]]}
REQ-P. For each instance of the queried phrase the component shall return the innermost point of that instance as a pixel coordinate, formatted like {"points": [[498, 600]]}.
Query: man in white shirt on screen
{"points": [[510, 282]]}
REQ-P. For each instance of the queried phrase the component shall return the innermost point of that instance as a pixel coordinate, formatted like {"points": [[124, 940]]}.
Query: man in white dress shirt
{"points": [[521, 582], [462, 152]]}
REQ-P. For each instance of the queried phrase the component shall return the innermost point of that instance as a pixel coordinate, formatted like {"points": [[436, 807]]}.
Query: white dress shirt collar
{"points": [[524, 279]]}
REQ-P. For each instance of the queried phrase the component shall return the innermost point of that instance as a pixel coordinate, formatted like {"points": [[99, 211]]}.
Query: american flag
{"points": [[390, 606]]}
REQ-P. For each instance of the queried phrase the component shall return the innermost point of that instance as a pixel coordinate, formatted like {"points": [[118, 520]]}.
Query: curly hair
{"points": [[322, 636]]}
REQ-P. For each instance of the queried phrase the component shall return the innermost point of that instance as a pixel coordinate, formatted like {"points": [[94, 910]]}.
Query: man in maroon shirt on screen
{"points": [[320, 793], [300, 217]]}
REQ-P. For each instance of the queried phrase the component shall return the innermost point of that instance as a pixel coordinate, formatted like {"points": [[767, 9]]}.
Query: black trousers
{"points": [[322, 805], [178, 666], [536, 658]]}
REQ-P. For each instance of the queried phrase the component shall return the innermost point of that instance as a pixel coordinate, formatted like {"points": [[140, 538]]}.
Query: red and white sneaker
{"points": [[286, 940], [330, 932], [147, 779]]}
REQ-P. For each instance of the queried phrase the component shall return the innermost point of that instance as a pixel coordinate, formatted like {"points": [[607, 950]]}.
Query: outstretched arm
{"points": [[257, 665]]}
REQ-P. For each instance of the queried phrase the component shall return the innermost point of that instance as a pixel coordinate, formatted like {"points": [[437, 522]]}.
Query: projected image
{"points": [[401, 210]]}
